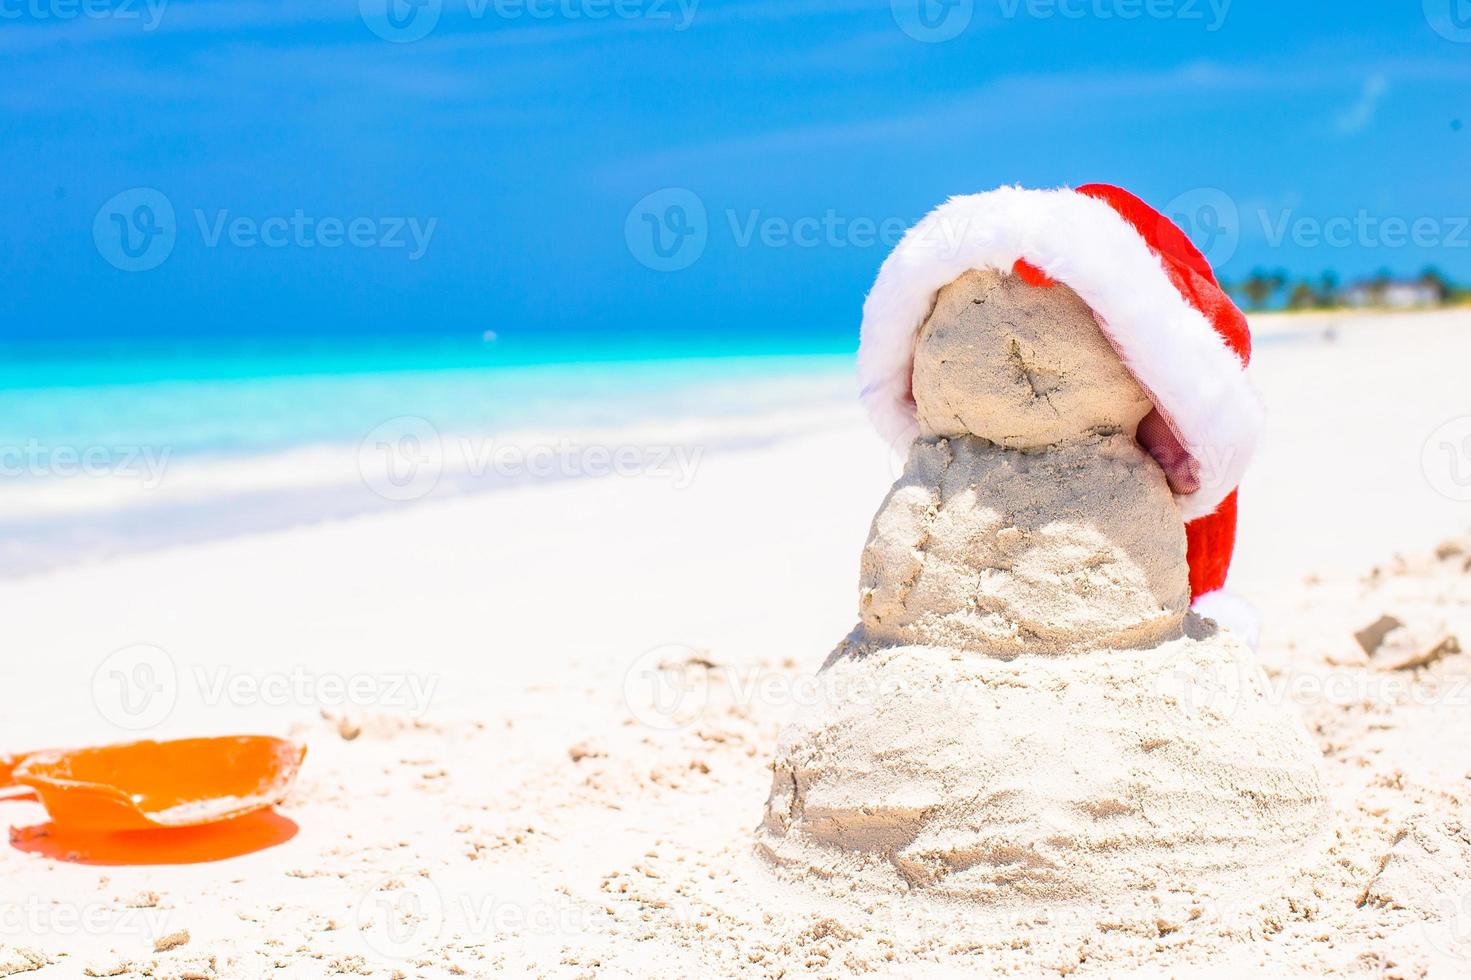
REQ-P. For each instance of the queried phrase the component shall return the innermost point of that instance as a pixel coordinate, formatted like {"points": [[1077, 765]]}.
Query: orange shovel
{"points": [[150, 785]]}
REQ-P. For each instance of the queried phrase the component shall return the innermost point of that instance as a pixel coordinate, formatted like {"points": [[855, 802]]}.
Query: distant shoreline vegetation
{"points": [[1275, 290]]}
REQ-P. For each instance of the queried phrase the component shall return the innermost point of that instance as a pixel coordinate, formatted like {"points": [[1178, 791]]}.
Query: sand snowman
{"points": [[1047, 697]]}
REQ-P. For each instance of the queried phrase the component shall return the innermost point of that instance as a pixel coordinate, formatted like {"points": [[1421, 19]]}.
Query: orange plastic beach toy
{"points": [[150, 785]]}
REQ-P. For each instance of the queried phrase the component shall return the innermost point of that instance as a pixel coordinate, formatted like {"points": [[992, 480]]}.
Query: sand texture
{"points": [[1044, 779], [982, 548], [542, 814], [1019, 366]]}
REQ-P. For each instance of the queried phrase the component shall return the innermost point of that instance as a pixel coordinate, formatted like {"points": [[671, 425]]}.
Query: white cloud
{"points": [[1360, 114]]}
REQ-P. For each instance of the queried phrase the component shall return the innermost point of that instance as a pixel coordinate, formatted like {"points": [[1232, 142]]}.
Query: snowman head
{"points": [[1020, 365], [1118, 283]]}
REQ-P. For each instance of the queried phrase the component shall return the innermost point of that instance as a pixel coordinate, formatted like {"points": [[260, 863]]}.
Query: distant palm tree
{"points": [[1302, 297], [1379, 285], [1437, 280], [1327, 292], [1258, 288]]}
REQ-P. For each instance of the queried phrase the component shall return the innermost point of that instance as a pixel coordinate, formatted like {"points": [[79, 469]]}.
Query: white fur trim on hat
{"points": [[1195, 380], [1233, 612]]}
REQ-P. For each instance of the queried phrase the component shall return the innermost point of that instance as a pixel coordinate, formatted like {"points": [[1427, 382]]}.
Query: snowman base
{"points": [[1043, 778]]}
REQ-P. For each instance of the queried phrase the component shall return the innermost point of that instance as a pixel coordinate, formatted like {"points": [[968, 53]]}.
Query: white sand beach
{"points": [[540, 720]]}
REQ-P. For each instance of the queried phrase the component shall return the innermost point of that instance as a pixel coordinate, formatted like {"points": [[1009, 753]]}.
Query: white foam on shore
{"points": [[51, 521]]}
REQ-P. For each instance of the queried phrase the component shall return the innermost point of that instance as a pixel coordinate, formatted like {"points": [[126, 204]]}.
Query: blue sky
{"points": [[601, 172]]}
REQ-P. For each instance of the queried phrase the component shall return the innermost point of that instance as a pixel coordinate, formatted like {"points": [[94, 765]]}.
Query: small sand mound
{"points": [[1043, 778]]}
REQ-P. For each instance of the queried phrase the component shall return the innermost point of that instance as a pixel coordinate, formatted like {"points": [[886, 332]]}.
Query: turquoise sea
{"points": [[231, 398], [120, 450]]}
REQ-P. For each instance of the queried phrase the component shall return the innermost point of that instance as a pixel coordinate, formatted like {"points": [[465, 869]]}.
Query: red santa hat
{"points": [[1156, 300]]}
